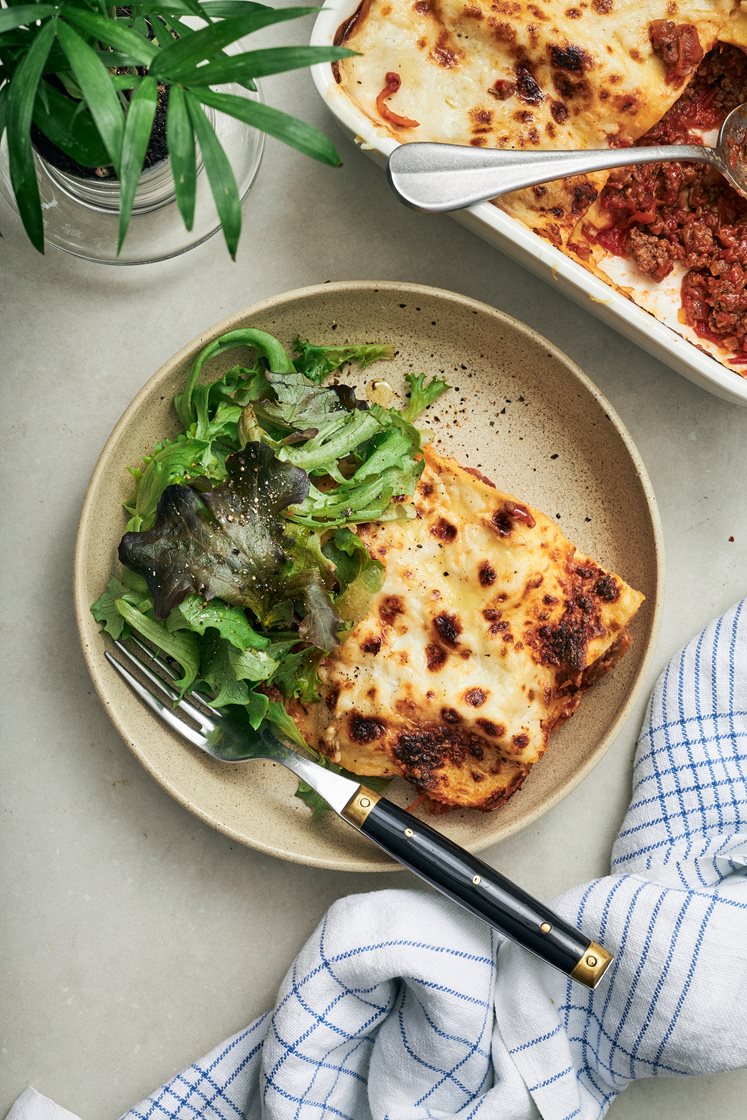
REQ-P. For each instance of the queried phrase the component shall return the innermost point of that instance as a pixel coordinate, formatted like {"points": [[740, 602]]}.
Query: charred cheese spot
{"points": [[435, 656], [443, 530], [486, 573], [371, 645], [494, 730], [448, 627], [504, 33], [583, 196], [606, 588], [502, 523], [364, 729], [504, 517], [574, 59], [502, 89], [475, 697], [480, 116], [450, 715], [332, 698], [389, 608], [527, 86]]}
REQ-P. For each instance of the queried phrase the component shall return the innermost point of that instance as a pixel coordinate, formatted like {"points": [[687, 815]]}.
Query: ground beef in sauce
{"points": [[661, 214]]}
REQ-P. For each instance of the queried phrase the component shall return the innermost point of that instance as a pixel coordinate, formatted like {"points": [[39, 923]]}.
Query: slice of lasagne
{"points": [[487, 628]]}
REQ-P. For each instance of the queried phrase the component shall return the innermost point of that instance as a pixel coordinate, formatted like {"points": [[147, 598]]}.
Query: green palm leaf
{"points": [[95, 83], [72, 130], [21, 15], [114, 32], [260, 64], [304, 137], [219, 9], [20, 108], [138, 126], [180, 139], [181, 58], [220, 175], [3, 109]]}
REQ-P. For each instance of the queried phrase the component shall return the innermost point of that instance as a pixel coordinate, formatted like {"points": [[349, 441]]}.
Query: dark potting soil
{"points": [[156, 152]]}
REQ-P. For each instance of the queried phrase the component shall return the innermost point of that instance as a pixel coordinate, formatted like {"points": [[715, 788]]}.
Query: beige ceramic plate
{"points": [[523, 414]]}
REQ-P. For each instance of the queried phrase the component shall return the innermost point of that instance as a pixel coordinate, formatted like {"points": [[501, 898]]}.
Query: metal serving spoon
{"points": [[439, 177]]}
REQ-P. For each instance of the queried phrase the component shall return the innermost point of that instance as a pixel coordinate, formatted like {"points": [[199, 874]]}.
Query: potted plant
{"points": [[100, 93]]}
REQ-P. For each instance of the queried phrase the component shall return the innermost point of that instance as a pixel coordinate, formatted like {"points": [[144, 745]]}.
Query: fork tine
{"points": [[165, 711], [204, 722], [171, 674]]}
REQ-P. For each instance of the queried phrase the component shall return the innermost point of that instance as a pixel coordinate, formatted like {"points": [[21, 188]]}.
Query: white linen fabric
{"points": [[402, 1007]]}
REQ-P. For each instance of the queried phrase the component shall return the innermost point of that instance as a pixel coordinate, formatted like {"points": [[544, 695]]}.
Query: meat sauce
{"points": [[666, 213]]}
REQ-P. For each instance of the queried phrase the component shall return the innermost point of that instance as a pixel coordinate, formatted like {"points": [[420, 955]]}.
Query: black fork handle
{"points": [[477, 887]]}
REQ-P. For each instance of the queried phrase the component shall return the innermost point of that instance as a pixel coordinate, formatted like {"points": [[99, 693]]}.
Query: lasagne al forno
{"points": [[577, 74], [488, 627]]}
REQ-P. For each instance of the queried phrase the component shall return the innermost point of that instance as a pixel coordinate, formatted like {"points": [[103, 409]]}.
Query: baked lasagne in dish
{"points": [[577, 74], [487, 628]]}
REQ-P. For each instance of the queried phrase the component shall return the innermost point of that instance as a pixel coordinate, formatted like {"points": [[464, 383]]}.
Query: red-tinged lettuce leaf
{"points": [[321, 621], [227, 543]]}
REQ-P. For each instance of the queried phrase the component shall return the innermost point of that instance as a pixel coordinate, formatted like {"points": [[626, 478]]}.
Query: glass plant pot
{"points": [[81, 216]]}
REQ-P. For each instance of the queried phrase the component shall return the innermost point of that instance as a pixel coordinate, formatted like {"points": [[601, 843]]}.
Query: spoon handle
{"points": [[440, 177]]}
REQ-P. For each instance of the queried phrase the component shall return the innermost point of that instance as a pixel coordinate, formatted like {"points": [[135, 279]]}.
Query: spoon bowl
{"points": [[732, 149]]}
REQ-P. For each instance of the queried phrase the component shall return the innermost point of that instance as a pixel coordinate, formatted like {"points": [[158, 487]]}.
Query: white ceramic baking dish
{"points": [[531, 250]]}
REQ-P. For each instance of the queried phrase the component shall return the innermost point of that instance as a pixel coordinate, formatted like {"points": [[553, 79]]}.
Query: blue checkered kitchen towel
{"points": [[403, 1007]]}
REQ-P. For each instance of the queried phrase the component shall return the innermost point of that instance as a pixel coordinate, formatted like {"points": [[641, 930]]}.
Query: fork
{"points": [[467, 880]]}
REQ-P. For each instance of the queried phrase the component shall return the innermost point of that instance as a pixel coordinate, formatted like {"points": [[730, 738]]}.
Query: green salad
{"points": [[240, 562]]}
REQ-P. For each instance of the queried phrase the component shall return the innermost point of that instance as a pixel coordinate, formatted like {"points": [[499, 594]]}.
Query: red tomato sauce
{"points": [[666, 213]]}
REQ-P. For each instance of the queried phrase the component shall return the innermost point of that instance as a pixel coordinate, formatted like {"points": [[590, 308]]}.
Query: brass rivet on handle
{"points": [[592, 965], [409, 833], [360, 805], [476, 881], [545, 927]]}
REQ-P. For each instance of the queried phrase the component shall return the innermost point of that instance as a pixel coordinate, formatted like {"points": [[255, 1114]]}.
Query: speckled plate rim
{"points": [[256, 310]]}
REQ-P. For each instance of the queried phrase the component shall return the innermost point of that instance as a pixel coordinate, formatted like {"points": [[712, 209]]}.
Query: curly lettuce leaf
{"points": [[268, 349], [297, 675], [217, 676], [422, 394], [387, 472], [359, 574], [181, 647], [133, 590], [230, 622], [303, 406], [342, 434], [174, 461], [318, 362], [228, 544]]}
